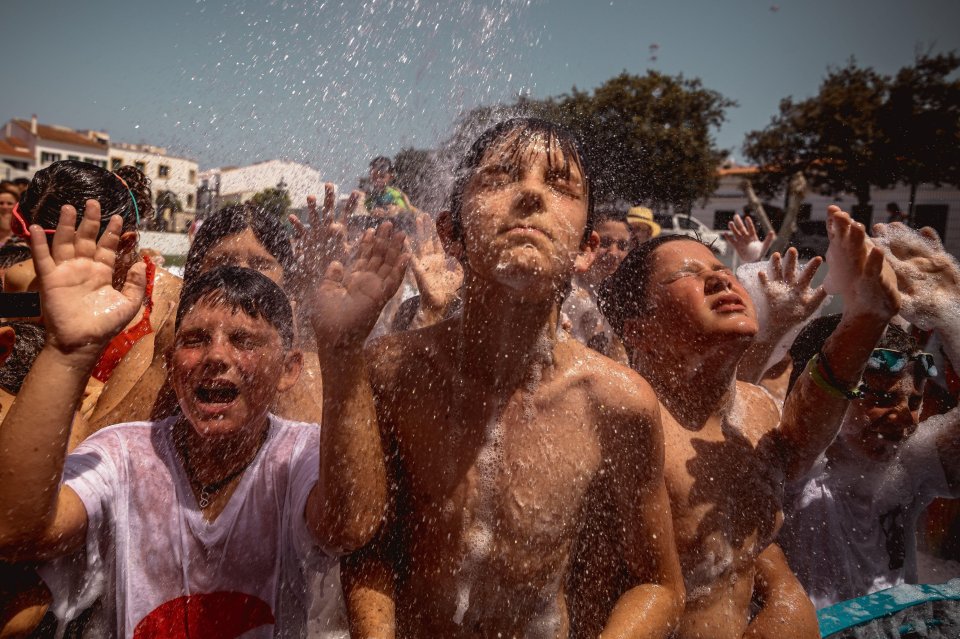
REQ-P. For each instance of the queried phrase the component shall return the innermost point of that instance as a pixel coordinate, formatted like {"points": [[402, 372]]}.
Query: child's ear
{"points": [[8, 337], [292, 365], [588, 253]]}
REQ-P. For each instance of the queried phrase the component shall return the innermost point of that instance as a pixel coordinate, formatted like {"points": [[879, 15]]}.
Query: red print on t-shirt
{"points": [[215, 615]]}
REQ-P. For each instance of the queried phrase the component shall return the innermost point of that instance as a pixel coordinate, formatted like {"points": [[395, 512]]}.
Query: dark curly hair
{"points": [[235, 219], [74, 182], [530, 129]]}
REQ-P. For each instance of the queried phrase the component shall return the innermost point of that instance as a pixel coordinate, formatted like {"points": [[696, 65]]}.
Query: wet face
{"points": [[524, 216], [614, 246], [888, 415], [245, 250], [7, 202], [695, 298], [379, 178], [227, 368]]}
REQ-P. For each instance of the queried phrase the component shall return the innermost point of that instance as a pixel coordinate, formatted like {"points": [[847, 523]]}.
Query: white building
{"points": [[167, 173], [233, 185], [47, 143], [937, 207]]}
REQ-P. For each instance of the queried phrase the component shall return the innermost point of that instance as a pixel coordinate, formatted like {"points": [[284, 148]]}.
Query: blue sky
{"points": [[333, 83]]}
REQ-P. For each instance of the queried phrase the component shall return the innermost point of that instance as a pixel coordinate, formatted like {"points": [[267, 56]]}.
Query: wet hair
{"points": [[12, 253], [28, 344], [812, 338], [610, 213], [623, 295], [235, 219], [74, 182], [382, 163], [241, 289], [529, 128]]}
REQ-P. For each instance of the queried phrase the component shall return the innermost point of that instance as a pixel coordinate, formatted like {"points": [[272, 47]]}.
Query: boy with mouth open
{"points": [[687, 322], [506, 440], [206, 523]]}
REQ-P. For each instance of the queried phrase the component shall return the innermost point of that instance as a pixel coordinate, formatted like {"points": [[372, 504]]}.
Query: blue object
{"points": [[855, 612]]}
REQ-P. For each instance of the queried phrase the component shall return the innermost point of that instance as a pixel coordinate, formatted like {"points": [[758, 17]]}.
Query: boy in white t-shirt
{"points": [[850, 527], [210, 523]]}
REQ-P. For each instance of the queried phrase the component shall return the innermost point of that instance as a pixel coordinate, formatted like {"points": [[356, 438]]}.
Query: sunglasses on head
{"points": [[24, 230], [889, 361]]}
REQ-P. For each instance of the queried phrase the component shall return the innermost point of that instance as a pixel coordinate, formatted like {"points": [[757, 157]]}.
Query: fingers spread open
{"points": [[42, 261], [776, 267], [135, 285], [106, 251], [809, 271], [63, 248], [790, 265]]}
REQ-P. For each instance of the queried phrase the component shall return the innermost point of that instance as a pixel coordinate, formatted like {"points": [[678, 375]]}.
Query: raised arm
{"points": [[348, 504], [814, 409], [929, 282], [652, 606], [82, 312], [789, 301], [785, 610]]}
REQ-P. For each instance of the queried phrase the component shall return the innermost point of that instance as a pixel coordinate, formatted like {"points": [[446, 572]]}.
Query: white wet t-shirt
{"points": [[850, 527], [156, 568]]}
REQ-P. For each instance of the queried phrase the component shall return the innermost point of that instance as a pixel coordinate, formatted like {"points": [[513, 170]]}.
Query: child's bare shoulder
{"points": [[619, 392], [398, 356]]}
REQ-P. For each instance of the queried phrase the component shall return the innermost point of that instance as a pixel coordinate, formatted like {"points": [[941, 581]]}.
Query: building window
{"points": [[47, 158], [163, 171], [141, 166], [193, 176], [75, 158], [101, 163], [190, 200], [115, 164]]}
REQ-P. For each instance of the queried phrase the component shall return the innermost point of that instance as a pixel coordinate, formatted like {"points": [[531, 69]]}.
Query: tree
{"points": [[920, 125], [273, 200], [832, 138], [649, 138], [646, 138], [415, 173]]}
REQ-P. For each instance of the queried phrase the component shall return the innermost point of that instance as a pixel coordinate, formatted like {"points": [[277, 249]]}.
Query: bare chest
{"points": [[727, 496]]}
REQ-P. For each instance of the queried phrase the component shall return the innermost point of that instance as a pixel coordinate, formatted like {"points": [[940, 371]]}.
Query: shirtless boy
{"points": [[506, 440], [687, 322], [210, 517]]}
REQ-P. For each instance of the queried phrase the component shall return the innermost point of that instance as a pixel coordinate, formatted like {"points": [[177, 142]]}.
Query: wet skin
{"points": [[887, 416], [722, 468], [138, 390], [480, 535]]}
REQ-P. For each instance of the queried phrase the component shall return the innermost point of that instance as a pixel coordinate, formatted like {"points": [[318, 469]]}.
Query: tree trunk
{"points": [[796, 191], [754, 203]]}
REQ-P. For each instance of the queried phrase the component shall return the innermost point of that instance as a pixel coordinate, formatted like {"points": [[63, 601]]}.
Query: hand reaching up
{"points": [[345, 305], [743, 237], [927, 276], [438, 276], [82, 311], [789, 298], [858, 270], [323, 243]]}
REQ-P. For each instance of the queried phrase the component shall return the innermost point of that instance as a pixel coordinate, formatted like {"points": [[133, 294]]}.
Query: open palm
{"points": [[438, 277], [81, 309], [349, 299]]}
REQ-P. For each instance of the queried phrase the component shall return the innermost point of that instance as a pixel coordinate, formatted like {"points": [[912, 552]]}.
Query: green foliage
{"points": [[864, 129], [647, 138], [273, 200]]}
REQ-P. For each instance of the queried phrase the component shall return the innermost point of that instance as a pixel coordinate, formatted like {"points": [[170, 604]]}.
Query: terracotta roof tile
{"points": [[14, 148], [65, 136]]}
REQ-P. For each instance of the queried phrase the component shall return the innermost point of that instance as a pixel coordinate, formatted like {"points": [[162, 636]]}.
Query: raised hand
{"points": [[323, 243], [928, 277], [81, 309], [858, 270], [438, 276], [345, 305], [789, 298], [744, 239]]}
